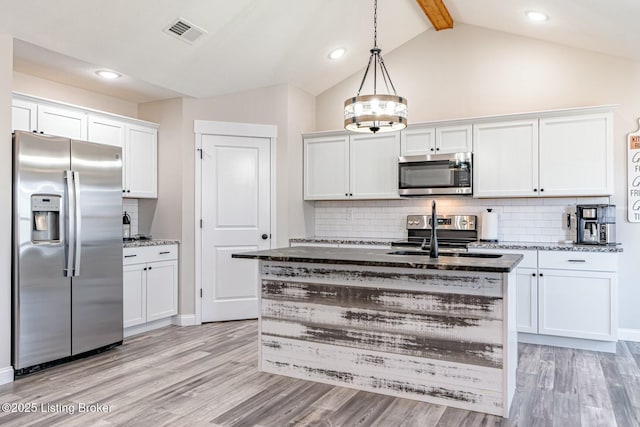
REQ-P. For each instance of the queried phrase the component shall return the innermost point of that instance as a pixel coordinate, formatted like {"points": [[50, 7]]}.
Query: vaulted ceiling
{"points": [[256, 43]]}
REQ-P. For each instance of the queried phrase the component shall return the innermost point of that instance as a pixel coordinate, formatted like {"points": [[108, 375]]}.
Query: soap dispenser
{"points": [[126, 226]]}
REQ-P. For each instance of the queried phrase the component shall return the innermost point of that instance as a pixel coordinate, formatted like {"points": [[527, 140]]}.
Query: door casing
{"points": [[207, 127]]}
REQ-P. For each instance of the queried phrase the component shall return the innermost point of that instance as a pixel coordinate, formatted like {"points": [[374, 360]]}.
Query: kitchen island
{"points": [[437, 330]]}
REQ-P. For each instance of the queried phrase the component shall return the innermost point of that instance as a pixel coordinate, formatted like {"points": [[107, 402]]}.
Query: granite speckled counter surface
{"points": [[382, 258], [344, 240], [151, 242], [540, 246]]}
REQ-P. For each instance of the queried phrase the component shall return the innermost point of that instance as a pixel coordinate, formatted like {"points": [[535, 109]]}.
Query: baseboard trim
{"points": [[6, 375], [581, 344], [184, 320], [146, 327], [629, 334]]}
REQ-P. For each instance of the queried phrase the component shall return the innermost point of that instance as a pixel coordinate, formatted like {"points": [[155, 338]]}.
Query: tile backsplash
{"points": [[520, 220], [131, 207]]}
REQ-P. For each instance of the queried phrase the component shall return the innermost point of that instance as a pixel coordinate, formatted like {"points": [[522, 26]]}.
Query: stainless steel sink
{"points": [[453, 254]]}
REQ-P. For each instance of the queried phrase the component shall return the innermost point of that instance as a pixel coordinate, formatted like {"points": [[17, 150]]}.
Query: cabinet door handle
{"points": [[541, 274], [149, 268], [542, 189], [130, 256], [533, 274], [164, 252], [577, 260], [535, 190], [145, 269]]}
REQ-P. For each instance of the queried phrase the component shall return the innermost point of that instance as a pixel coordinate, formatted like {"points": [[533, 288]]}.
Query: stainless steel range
{"points": [[455, 232]]}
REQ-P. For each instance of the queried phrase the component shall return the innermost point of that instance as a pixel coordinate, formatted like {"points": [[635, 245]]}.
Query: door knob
{"points": [[265, 236]]}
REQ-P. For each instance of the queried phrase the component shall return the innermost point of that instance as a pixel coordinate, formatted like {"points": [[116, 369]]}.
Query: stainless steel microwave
{"points": [[435, 174]]}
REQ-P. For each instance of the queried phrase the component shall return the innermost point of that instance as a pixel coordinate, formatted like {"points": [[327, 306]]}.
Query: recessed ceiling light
{"points": [[537, 16], [337, 53], [106, 74]]}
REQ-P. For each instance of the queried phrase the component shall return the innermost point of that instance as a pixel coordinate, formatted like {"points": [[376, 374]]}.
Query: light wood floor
{"points": [[207, 375]]}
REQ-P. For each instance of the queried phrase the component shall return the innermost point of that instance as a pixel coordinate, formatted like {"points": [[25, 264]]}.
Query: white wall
{"points": [[290, 109], [6, 66], [301, 119], [165, 214], [37, 86], [470, 71]]}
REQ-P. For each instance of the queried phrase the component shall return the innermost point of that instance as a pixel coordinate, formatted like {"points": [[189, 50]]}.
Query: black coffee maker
{"points": [[596, 224]]}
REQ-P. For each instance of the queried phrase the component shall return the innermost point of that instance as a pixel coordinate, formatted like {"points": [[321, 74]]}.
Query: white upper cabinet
{"points": [[505, 159], [62, 122], [27, 115], [373, 164], [326, 168], [24, 115], [343, 167], [138, 139], [563, 156], [106, 131], [139, 150], [436, 140], [140, 162], [418, 141], [576, 155], [566, 153], [454, 139]]}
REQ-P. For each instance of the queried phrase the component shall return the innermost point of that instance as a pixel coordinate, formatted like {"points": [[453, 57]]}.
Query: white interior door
{"points": [[236, 200]]}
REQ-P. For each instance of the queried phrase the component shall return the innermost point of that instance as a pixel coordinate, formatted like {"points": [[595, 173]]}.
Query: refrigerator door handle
{"points": [[78, 219], [71, 224]]}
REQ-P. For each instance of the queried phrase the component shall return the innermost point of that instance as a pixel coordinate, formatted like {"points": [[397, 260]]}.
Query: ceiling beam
{"points": [[437, 13]]}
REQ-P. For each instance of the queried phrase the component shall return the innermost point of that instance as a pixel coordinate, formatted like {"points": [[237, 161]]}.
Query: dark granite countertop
{"points": [[541, 246], [151, 242], [382, 258]]}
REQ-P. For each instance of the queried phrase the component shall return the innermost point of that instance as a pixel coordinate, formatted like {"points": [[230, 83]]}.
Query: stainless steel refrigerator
{"points": [[67, 249]]}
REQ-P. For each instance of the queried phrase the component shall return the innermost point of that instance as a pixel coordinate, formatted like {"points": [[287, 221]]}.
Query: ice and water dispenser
{"points": [[45, 218]]}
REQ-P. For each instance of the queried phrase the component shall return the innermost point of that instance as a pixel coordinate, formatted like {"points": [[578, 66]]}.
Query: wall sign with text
{"points": [[633, 170]]}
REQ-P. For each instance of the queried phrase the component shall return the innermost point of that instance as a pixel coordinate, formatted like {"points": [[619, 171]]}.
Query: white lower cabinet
{"points": [[566, 294], [578, 295], [134, 295], [162, 289], [577, 304], [526, 287], [150, 284], [527, 300]]}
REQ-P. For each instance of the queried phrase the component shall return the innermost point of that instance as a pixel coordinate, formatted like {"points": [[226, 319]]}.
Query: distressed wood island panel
{"points": [[441, 336]]}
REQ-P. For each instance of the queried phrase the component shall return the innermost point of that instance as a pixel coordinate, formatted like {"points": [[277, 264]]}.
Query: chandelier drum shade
{"points": [[376, 112]]}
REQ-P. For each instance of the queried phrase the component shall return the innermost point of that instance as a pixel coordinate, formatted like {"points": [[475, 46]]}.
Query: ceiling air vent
{"points": [[184, 30]]}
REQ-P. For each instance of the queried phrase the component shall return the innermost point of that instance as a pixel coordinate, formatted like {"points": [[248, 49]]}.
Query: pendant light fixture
{"points": [[376, 112]]}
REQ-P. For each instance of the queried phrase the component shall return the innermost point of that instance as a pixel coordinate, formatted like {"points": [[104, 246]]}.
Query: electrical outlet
{"points": [[349, 214]]}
